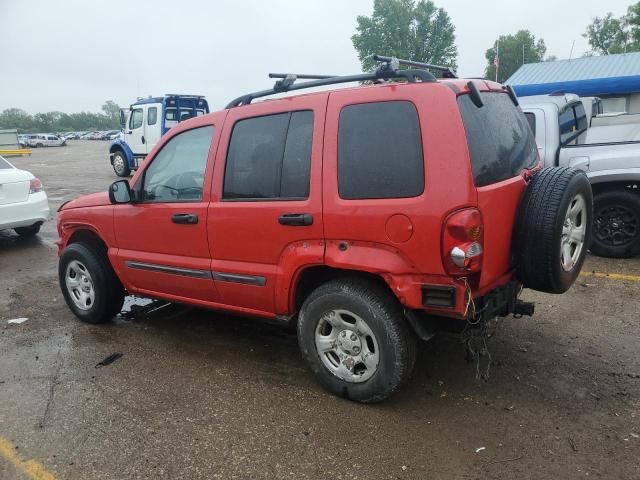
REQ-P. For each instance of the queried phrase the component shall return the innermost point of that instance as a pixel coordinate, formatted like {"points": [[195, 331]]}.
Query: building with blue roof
{"points": [[614, 78]]}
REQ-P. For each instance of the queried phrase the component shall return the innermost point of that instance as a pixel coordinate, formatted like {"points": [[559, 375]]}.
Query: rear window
{"points": [[380, 151], [500, 140]]}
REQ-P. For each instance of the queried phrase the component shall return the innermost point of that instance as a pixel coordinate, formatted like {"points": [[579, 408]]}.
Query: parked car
{"points": [[359, 215], [23, 201], [607, 148], [46, 140]]}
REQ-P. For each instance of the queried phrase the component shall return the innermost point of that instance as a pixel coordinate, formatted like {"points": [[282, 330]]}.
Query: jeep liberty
{"points": [[359, 215]]}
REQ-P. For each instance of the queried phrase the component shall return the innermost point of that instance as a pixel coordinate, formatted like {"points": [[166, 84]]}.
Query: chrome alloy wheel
{"points": [[118, 164], [79, 285], [347, 346], [574, 231]]}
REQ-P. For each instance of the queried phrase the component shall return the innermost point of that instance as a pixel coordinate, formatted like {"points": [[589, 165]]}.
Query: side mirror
{"points": [[122, 120], [120, 192]]}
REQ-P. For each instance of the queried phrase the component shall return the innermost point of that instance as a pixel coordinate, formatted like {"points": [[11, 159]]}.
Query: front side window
{"points": [[176, 174], [152, 115], [136, 119], [500, 140], [269, 157], [380, 151]]}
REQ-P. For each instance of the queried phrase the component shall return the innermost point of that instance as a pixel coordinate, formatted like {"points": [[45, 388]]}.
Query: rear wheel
{"points": [[355, 338], [29, 231], [553, 229], [89, 285], [616, 224], [121, 164]]}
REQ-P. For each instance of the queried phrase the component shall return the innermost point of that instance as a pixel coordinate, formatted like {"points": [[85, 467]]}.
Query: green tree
{"points": [[514, 51], [44, 122], [608, 35], [406, 29], [112, 110]]}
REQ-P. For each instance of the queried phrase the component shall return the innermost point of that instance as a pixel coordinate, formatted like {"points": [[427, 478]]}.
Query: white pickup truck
{"points": [[607, 148]]}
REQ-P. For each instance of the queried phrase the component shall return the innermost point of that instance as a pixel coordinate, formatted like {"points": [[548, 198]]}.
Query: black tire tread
{"points": [[609, 251], [538, 230], [396, 328]]}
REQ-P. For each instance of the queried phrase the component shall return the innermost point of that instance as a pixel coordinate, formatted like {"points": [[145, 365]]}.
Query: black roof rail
{"points": [[389, 69], [447, 72]]}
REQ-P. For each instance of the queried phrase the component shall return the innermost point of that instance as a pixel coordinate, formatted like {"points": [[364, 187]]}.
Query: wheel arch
{"points": [[311, 277], [120, 146], [88, 237], [628, 186]]}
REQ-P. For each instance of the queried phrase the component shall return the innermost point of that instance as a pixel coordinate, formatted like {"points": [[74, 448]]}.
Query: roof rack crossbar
{"points": [[302, 76], [385, 71], [447, 71]]}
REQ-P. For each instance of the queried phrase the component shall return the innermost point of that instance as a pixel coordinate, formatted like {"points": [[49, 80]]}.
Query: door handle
{"points": [[185, 218], [142, 139], [296, 219]]}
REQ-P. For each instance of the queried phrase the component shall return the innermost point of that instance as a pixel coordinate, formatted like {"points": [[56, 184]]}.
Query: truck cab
{"points": [[145, 121]]}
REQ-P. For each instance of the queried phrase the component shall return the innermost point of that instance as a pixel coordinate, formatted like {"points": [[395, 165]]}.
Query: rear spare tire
{"points": [[553, 229], [616, 224]]}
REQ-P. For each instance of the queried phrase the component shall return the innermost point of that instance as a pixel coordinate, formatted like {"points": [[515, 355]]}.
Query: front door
{"points": [[265, 218], [135, 133], [162, 240]]}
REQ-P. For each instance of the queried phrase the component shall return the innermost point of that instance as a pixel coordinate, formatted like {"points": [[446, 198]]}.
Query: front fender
{"points": [[121, 145]]}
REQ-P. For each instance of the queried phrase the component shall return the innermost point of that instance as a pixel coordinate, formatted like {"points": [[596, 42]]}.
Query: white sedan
{"points": [[23, 203]]}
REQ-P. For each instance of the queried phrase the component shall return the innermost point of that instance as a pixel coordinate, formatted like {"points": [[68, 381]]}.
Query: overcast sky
{"points": [[72, 55]]}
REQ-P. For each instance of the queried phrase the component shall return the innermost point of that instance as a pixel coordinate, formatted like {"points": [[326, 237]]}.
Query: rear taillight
{"points": [[462, 242], [35, 186]]}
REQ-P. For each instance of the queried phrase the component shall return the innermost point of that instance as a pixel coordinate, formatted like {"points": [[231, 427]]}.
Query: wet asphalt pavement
{"points": [[200, 395]]}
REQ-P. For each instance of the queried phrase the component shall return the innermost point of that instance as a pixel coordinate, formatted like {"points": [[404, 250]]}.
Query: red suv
{"points": [[360, 215]]}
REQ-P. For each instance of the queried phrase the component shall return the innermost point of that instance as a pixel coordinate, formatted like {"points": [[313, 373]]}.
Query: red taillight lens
{"points": [[462, 241], [35, 186]]}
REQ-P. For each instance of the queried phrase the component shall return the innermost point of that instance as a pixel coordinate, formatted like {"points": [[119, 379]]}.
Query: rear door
{"points": [[265, 218], [152, 126]]}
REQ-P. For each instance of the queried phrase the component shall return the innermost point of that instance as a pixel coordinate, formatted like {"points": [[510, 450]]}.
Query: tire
{"points": [[121, 164], [616, 224], [29, 231], [369, 314], [108, 293], [548, 252]]}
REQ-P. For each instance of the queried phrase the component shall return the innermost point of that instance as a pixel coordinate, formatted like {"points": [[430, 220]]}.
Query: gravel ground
{"points": [[203, 395]]}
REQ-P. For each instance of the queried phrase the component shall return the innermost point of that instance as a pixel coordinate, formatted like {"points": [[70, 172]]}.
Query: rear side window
{"points": [[380, 151], [500, 140], [152, 115], [269, 157], [531, 120]]}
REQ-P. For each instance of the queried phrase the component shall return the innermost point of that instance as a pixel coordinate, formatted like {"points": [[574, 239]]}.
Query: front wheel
{"points": [[121, 164], [355, 338], [616, 224], [88, 283]]}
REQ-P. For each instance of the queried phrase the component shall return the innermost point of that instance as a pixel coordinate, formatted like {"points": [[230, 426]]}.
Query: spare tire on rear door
{"points": [[553, 229]]}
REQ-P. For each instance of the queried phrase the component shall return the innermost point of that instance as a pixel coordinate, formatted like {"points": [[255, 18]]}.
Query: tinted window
{"points": [[531, 120], [4, 164], [567, 121], [500, 141], [136, 119], [270, 157], [380, 151], [581, 116], [177, 171], [152, 116]]}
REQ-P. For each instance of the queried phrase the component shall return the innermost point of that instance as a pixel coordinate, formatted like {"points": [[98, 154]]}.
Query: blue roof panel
{"points": [[607, 74]]}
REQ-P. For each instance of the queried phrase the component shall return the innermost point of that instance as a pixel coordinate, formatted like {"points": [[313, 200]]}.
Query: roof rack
{"points": [[388, 69]]}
